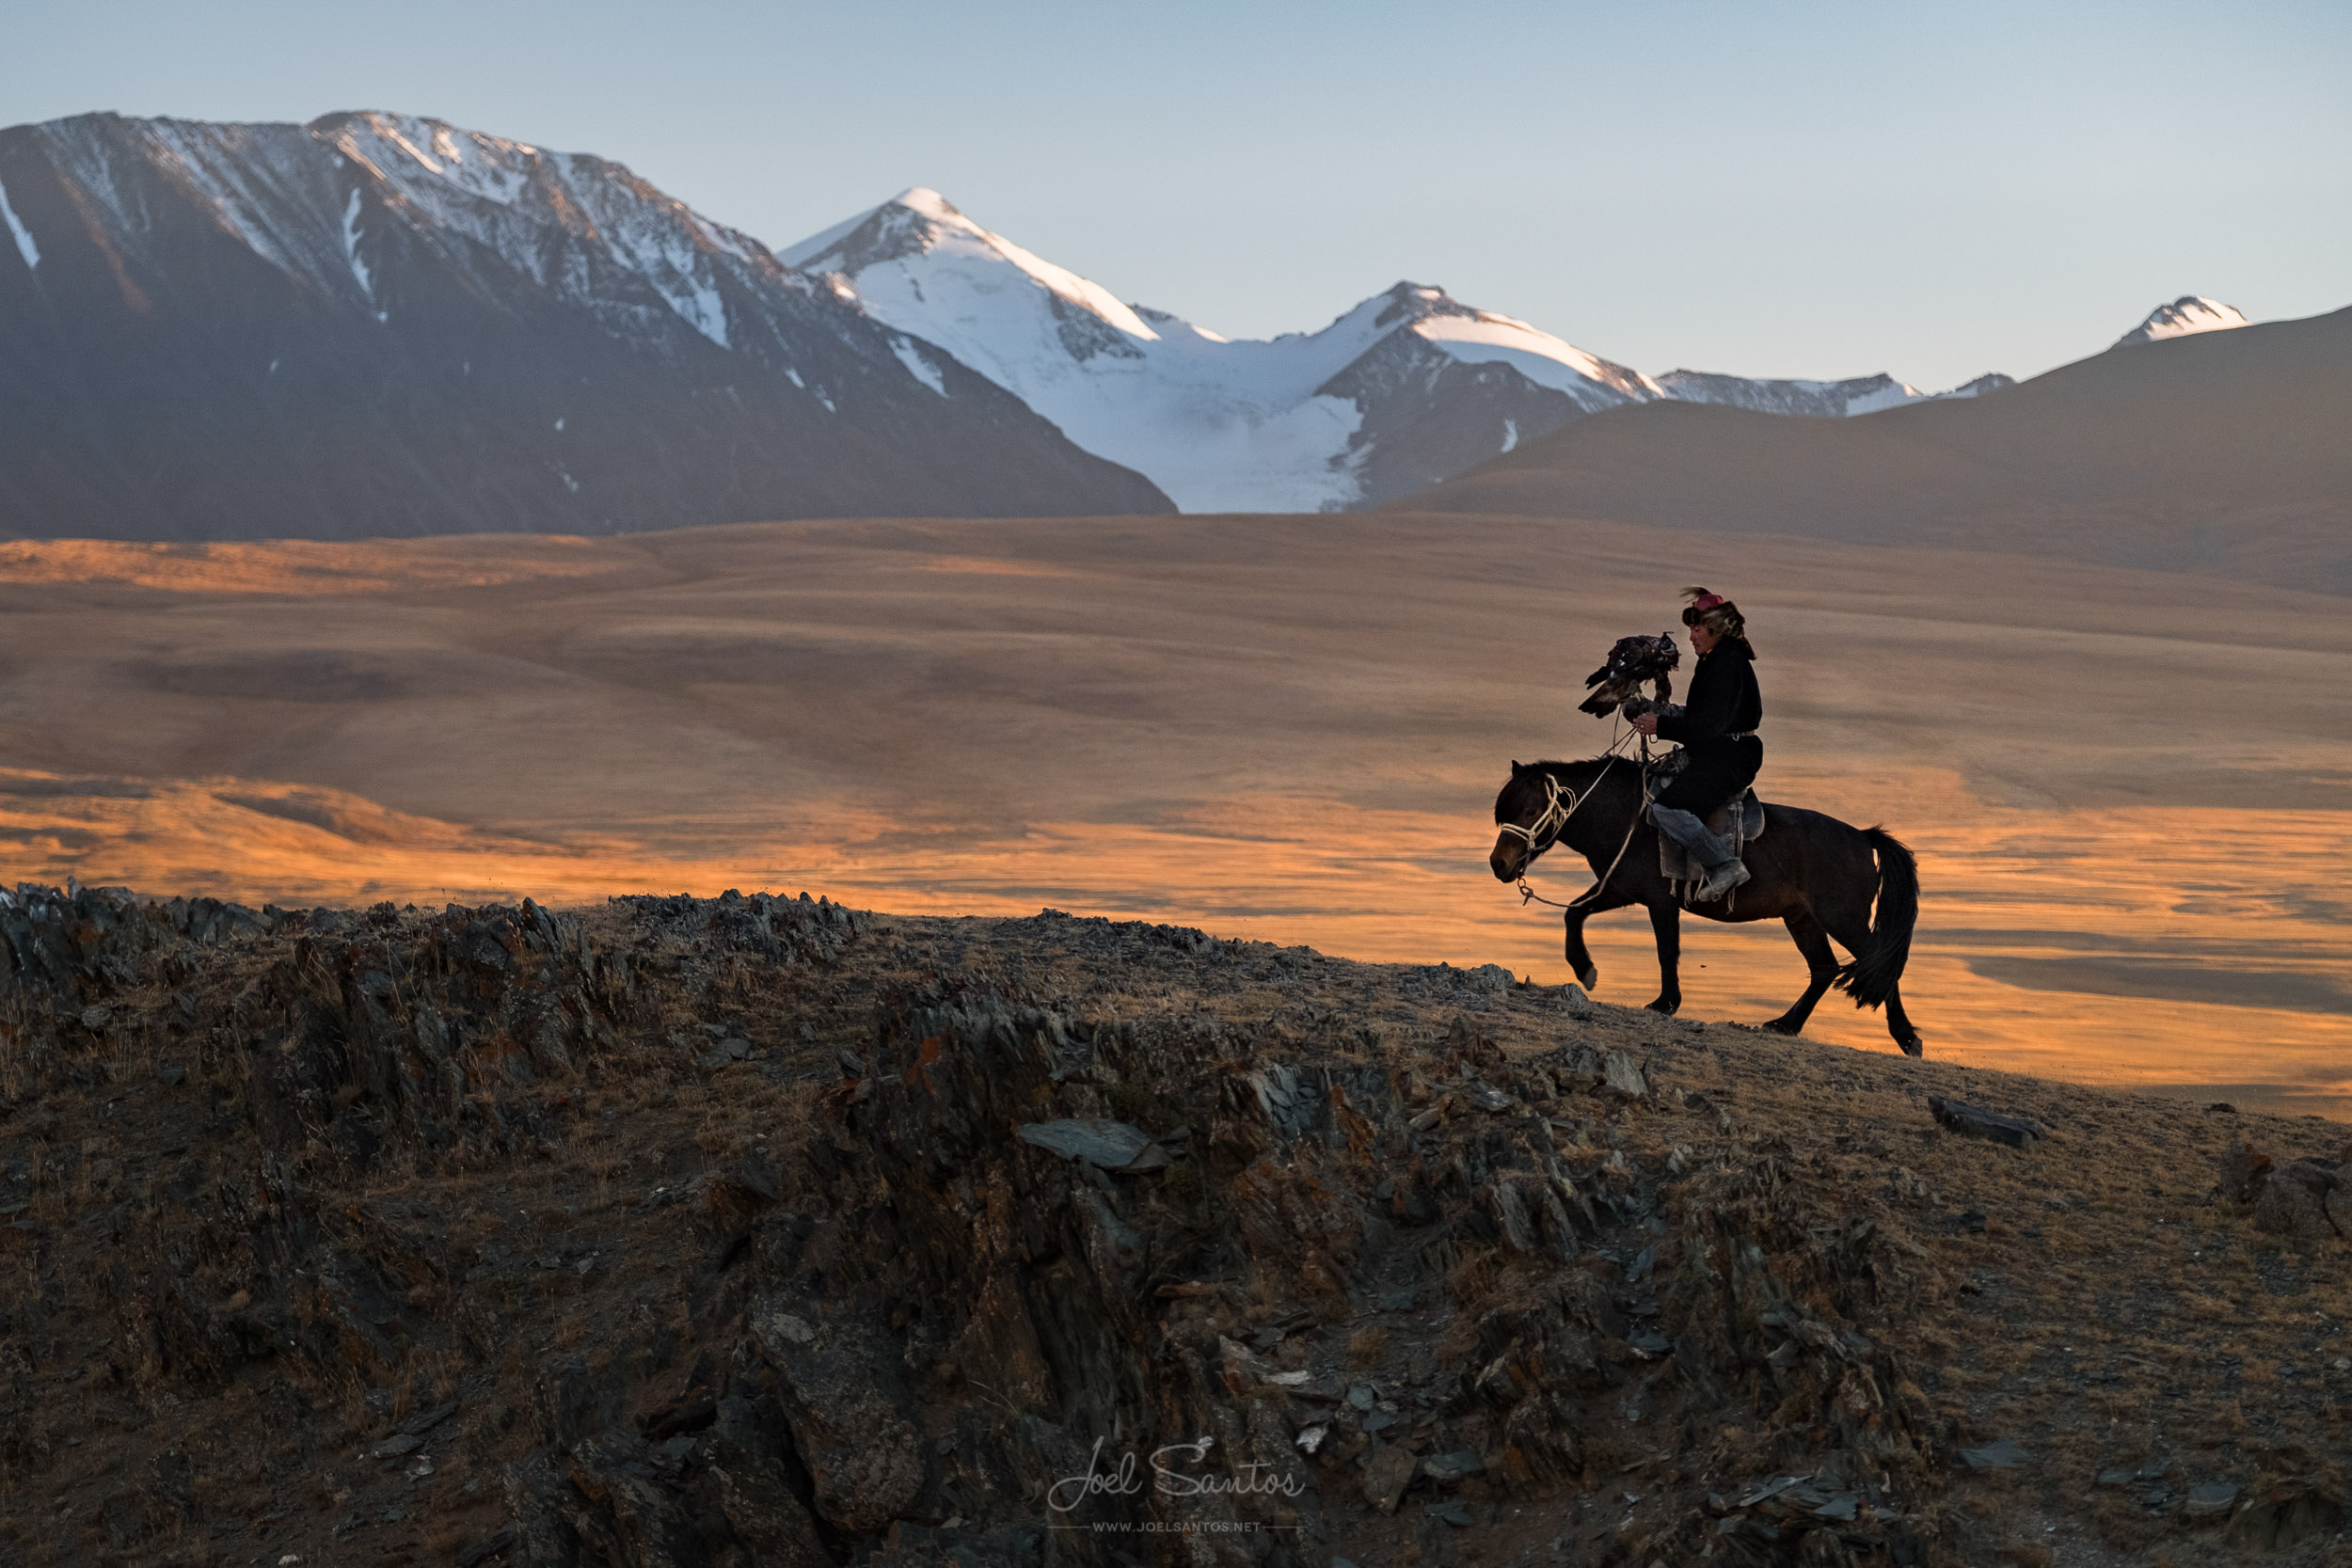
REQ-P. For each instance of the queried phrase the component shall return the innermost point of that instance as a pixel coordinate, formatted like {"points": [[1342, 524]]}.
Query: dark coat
{"points": [[1723, 701]]}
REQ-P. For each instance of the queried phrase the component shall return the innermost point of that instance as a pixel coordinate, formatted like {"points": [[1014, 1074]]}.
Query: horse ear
{"points": [[1517, 768]]}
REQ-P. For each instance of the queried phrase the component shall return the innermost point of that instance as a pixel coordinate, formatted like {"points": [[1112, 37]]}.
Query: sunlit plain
{"points": [[2127, 790]]}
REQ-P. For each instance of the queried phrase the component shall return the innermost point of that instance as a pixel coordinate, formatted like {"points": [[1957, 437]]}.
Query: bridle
{"points": [[1560, 803]]}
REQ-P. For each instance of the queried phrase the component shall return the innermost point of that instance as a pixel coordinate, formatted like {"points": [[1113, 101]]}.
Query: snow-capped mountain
{"points": [[380, 324], [1407, 388], [2185, 316], [1303, 422], [1832, 399]]}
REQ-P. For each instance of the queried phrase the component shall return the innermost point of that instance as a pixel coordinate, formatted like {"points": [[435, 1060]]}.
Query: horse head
{"points": [[1532, 809]]}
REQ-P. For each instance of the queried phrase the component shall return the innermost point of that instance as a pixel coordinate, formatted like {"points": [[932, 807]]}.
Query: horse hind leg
{"points": [[1820, 963], [1898, 1024], [1851, 935]]}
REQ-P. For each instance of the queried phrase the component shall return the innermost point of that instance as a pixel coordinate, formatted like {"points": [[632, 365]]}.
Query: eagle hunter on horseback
{"points": [[1663, 844]]}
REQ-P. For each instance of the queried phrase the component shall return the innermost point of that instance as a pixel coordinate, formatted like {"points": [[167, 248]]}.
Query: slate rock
{"points": [[1387, 1473], [1105, 1145], [1489, 1099], [1449, 1470], [2309, 1199], [2000, 1454], [2210, 1500], [417, 1426], [1620, 1072], [850, 1417], [1977, 1122]]}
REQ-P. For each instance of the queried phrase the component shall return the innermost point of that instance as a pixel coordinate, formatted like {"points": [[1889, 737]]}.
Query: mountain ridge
{"points": [[1403, 390], [2217, 451], [385, 325]]}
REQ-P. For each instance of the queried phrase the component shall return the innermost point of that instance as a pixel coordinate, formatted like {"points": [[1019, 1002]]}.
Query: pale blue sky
{"points": [[1815, 189]]}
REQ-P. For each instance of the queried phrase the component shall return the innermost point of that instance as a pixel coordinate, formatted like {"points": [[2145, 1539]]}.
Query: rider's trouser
{"points": [[1689, 832]]}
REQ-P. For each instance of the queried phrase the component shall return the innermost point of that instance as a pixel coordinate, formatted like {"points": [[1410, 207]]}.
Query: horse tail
{"points": [[1872, 977]]}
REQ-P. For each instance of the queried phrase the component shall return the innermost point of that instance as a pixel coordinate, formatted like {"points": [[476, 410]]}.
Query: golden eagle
{"points": [[1633, 660]]}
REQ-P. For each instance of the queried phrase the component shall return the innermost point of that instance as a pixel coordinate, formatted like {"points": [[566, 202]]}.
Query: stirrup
{"points": [[1721, 879]]}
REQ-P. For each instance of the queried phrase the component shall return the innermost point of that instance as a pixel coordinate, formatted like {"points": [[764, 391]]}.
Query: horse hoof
{"points": [[1591, 977], [1781, 1026], [1664, 1008], [1914, 1046]]}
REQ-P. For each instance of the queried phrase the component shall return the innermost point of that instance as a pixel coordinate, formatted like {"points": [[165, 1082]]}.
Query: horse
{"points": [[1816, 875]]}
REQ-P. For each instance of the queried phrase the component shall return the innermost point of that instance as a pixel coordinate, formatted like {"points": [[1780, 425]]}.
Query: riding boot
{"points": [[1724, 870]]}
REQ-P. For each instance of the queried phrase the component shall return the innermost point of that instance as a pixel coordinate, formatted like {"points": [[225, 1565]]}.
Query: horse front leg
{"points": [[1592, 901], [1665, 921], [1580, 956]]}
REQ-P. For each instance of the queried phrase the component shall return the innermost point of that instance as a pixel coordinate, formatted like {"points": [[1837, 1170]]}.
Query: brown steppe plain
{"points": [[2128, 790]]}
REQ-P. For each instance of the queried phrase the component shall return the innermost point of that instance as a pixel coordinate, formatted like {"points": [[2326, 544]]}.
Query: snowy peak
{"points": [[920, 230], [2185, 317], [506, 195], [1484, 336], [1824, 400], [1306, 422], [328, 203], [1991, 381]]}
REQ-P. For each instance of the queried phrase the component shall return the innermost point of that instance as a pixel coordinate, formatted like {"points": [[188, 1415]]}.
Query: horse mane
{"points": [[1583, 774], [1556, 768]]}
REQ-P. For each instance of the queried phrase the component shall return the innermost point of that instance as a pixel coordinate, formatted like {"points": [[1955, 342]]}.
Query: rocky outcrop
{"points": [[1242, 1293]]}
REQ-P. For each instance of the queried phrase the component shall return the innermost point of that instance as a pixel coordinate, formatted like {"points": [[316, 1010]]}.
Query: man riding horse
{"points": [[1826, 881], [1717, 728]]}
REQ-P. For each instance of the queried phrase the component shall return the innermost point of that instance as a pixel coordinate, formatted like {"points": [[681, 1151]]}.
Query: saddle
{"points": [[1737, 823], [1740, 823]]}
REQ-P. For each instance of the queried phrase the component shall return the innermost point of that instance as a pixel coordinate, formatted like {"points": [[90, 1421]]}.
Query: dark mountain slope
{"points": [[2226, 451], [379, 326]]}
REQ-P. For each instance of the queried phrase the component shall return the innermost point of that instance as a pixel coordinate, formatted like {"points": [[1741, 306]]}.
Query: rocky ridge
{"points": [[759, 1229]]}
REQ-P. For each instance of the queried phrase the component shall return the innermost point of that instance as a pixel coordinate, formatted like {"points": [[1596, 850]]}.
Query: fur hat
{"points": [[1715, 612]]}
